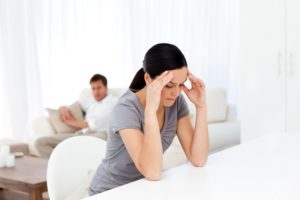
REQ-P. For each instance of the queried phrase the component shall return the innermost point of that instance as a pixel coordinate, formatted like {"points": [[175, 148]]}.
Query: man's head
{"points": [[98, 84]]}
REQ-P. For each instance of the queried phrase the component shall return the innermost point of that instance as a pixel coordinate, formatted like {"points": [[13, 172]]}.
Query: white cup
{"points": [[5, 149], [10, 160], [2, 160]]}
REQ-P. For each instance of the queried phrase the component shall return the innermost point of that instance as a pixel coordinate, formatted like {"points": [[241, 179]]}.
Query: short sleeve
{"points": [[182, 107], [125, 116]]}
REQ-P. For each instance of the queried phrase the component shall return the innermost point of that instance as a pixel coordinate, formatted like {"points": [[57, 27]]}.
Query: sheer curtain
{"points": [[20, 88], [50, 48]]}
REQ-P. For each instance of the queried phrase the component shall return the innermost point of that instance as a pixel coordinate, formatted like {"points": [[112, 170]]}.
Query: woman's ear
{"points": [[147, 78]]}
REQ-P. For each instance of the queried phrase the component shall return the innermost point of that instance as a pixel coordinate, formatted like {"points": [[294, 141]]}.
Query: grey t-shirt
{"points": [[117, 168]]}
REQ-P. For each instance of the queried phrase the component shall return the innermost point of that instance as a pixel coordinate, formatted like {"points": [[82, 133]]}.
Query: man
{"points": [[97, 111]]}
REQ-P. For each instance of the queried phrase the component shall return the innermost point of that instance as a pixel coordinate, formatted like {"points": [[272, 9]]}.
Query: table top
{"points": [[28, 170], [265, 168]]}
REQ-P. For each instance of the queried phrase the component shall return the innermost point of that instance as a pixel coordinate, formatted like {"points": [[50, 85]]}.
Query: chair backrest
{"points": [[70, 163]]}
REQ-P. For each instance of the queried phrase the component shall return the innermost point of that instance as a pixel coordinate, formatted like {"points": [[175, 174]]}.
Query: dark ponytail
{"points": [[159, 58], [138, 81]]}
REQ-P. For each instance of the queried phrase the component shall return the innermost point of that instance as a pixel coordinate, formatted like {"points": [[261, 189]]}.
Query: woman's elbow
{"points": [[150, 172], [198, 163], [152, 175]]}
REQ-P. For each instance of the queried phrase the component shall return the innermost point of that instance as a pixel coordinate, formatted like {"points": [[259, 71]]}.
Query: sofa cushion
{"points": [[216, 105], [223, 135], [59, 125], [42, 126], [86, 94]]}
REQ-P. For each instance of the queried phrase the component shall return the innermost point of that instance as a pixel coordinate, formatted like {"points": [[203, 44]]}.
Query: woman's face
{"points": [[173, 89]]}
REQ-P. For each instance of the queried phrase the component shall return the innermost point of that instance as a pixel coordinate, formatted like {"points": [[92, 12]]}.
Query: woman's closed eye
{"points": [[170, 85]]}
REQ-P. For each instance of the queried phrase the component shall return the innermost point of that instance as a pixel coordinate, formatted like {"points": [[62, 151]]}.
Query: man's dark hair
{"points": [[99, 77]]}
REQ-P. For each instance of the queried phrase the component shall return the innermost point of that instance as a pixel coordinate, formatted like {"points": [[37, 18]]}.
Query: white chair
{"points": [[70, 163]]}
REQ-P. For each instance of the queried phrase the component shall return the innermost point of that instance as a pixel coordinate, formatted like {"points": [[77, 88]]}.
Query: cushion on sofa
{"points": [[86, 94], [216, 105], [42, 126], [59, 125]]}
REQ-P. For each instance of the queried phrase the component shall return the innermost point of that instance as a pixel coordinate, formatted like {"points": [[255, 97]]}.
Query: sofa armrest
{"points": [[42, 127]]}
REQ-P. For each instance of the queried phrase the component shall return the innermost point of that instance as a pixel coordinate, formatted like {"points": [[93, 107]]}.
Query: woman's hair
{"points": [[159, 58]]}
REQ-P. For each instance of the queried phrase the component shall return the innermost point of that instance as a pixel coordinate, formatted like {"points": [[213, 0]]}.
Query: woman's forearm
{"points": [[200, 142], [151, 155]]}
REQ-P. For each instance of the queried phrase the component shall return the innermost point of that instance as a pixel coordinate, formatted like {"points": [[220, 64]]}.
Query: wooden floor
{"points": [[10, 195]]}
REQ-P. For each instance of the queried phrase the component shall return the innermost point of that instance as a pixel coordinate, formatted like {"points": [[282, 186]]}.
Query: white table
{"points": [[265, 168]]}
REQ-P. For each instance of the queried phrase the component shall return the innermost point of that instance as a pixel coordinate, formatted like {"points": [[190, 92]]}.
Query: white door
{"points": [[293, 66], [262, 67]]}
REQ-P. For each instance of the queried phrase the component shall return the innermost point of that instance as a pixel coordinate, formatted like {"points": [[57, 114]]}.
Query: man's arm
{"points": [[71, 121], [64, 113]]}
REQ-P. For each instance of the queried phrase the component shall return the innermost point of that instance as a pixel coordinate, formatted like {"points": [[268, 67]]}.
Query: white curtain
{"points": [[20, 88], [51, 48]]}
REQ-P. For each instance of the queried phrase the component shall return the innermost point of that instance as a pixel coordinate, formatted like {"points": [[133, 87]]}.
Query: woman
{"points": [[147, 118]]}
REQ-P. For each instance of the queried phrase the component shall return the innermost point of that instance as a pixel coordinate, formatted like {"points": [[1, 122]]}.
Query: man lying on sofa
{"points": [[89, 116]]}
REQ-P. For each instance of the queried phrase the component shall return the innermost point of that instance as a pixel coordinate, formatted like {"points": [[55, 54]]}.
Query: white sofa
{"points": [[224, 128]]}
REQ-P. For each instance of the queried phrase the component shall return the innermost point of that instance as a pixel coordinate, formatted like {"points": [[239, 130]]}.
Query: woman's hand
{"points": [[197, 93], [154, 90]]}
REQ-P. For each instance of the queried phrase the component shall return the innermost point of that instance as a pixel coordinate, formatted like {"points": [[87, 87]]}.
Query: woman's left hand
{"points": [[197, 93]]}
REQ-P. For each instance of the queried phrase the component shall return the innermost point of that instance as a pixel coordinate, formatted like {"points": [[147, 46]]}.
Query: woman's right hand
{"points": [[154, 90]]}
